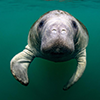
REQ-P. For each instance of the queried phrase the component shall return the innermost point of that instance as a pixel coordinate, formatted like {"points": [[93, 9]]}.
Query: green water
{"points": [[47, 78]]}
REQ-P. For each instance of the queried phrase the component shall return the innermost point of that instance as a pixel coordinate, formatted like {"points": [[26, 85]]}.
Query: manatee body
{"points": [[56, 36]]}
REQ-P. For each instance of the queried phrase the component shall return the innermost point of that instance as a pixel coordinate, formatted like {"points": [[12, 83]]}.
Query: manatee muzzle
{"points": [[57, 48]]}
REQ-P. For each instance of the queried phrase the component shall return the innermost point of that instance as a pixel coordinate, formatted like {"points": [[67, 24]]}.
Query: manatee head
{"points": [[57, 31]]}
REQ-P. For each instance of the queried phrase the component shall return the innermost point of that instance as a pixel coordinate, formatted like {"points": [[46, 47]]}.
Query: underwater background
{"points": [[47, 78]]}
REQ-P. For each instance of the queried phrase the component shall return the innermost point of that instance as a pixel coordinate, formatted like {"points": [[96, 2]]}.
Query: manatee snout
{"points": [[57, 40], [57, 50], [58, 29]]}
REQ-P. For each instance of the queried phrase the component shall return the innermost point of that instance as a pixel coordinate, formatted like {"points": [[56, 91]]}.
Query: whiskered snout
{"points": [[57, 49], [57, 39]]}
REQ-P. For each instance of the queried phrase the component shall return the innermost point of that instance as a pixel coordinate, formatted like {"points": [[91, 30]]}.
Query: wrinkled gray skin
{"points": [[56, 36]]}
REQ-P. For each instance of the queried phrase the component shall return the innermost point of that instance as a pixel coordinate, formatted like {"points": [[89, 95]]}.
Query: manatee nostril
{"points": [[63, 31], [54, 31]]}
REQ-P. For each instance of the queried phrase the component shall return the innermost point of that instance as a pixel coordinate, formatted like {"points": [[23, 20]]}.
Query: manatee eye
{"points": [[74, 24], [41, 23]]}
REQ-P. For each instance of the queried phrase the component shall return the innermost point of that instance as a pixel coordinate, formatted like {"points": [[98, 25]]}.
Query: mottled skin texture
{"points": [[56, 36]]}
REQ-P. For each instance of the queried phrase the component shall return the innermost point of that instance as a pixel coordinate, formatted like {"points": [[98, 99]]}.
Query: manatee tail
{"points": [[81, 59], [20, 63]]}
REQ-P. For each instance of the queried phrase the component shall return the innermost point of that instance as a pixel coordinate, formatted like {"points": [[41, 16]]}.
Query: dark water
{"points": [[47, 78]]}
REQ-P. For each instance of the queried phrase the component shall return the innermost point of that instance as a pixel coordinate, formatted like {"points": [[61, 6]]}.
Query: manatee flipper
{"points": [[20, 63], [81, 60]]}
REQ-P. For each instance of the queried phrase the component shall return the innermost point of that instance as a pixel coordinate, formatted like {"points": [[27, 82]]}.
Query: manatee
{"points": [[56, 36]]}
